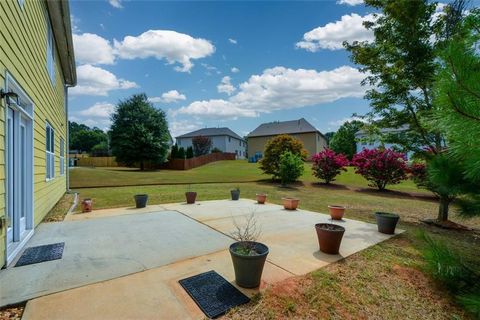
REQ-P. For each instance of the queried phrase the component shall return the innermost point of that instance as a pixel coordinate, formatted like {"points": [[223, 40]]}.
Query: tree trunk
{"points": [[443, 209], [142, 165]]}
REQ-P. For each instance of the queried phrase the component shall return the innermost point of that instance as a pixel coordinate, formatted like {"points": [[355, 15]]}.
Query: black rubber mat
{"points": [[212, 293], [41, 254]]}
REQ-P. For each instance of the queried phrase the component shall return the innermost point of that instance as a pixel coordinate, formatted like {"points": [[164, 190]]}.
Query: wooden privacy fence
{"points": [[97, 162], [175, 164], [187, 164]]}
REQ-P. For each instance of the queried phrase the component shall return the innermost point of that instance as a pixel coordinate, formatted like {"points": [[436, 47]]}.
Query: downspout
{"points": [[67, 143]]}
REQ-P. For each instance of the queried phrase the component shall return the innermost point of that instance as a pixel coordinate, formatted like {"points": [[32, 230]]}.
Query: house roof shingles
{"points": [[210, 132], [283, 127]]}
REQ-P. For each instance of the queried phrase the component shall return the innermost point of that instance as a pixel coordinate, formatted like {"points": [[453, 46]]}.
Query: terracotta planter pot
{"points": [[290, 203], [386, 222], [87, 205], [329, 237], [191, 197], [336, 212], [140, 200], [261, 198], [248, 268]]}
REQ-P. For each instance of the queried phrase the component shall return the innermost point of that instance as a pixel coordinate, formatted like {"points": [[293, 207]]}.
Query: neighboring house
{"points": [[36, 66], [366, 141], [223, 139], [313, 140]]}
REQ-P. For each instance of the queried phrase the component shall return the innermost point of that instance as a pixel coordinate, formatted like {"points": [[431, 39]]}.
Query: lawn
{"points": [[215, 172], [386, 281]]}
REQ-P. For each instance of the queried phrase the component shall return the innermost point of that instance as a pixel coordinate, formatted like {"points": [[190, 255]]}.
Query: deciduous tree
{"points": [[201, 145], [274, 148], [139, 132]]}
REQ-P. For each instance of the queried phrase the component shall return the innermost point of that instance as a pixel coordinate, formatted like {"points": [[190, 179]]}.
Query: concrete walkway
{"points": [[142, 256]]}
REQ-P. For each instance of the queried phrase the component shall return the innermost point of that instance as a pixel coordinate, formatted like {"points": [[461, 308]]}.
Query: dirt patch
{"points": [[60, 210]]}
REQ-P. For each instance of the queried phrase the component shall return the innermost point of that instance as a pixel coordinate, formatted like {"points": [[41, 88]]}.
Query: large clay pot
{"points": [[290, 203], [235, 194], [87, 205], [248, 268], [261, 198], [141, 200], [191, 197], [336, 212], [386, 222], [329, 237]]}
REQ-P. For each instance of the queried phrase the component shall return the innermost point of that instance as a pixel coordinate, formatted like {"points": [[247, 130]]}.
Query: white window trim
{"points": [[51, 154], [62, 157], [50, 64]]}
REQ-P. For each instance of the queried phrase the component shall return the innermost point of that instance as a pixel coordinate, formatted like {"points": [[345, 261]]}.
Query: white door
{"points": [[10, 175], [19, 156], [22, 175]]}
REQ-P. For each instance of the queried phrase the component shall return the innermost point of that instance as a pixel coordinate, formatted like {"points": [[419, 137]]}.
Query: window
{"points": [[21, 2], [50, 53], [50, 149], [229, 139], [62, 156], [240, 143]]}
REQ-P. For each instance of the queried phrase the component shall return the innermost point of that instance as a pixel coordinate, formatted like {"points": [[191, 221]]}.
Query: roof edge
{"points": [[59, 12]]}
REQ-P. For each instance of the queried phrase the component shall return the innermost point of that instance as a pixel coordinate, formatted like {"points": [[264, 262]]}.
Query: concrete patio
{"points": [[126, 263]]}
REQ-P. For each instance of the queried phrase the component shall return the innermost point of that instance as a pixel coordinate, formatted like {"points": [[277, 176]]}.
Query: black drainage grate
{"points": [[212, 293]]}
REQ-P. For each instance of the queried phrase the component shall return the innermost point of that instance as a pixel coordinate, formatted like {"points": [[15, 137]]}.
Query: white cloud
{"points": [[116, 3], [331, 36], [169, 97], [281, 88], [338, 123], [99, 110], [92, 49], [226, 86], [235, 70], [179, 127], [232, 41], [350, 2], [216, 108], [172, 46], [96, 81], [210, 69]]}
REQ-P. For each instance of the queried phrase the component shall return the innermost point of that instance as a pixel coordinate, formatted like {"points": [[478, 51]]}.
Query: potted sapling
{"points": [[248, 255]]}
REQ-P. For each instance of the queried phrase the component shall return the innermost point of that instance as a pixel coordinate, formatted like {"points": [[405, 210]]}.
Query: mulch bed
{"points": [[12, 313]]}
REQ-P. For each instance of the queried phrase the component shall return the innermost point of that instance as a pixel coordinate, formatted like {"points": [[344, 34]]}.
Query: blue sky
{"points": [[234, 64]]}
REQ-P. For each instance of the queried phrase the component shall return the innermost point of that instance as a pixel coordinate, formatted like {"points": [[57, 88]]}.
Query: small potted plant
{"points": [[248, 255], [386, 222], [336, 212], [235, 193], [191, 196], [329, 237], [140, 200], [290, 203], [261, 198]]}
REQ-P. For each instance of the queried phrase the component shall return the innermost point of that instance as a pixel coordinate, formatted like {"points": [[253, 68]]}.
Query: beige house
{"points": [[313, 140]]}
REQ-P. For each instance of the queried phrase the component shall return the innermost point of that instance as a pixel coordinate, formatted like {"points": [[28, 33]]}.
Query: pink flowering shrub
{"points": [[328, 164], [381, 166]]}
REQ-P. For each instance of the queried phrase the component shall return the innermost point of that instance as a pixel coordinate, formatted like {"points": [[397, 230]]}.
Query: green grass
{"points": [[216, 172]]}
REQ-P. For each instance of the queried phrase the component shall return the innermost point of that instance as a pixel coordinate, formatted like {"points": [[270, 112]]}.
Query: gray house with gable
{"points": [[223, 139]]}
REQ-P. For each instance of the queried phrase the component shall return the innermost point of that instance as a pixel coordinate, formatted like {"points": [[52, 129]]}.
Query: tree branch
{"points": [[460, 111]]}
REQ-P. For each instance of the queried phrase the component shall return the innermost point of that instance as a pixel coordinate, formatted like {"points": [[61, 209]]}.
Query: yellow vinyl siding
{"points": [[23, 49], [313, 142]]}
